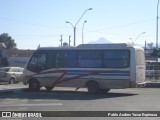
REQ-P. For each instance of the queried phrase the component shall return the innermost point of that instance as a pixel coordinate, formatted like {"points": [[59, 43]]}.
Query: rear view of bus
{"points": [[140, 67]]}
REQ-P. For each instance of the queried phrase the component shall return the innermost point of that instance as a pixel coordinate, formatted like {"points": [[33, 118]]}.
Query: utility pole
{"points": [[69, 40], [156, 71], [61, 40], [82, 32], [74, 26], [145, 47], [157, 26]]}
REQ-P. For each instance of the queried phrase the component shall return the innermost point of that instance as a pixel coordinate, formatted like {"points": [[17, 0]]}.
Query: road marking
{"points": [[32, 105]]}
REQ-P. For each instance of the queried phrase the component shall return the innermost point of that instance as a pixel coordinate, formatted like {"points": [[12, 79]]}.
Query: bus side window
{"points": [[41, 60], [51, 60], [71, 59], [66, 59], [60, 59], [90, 59], [116, 59]]}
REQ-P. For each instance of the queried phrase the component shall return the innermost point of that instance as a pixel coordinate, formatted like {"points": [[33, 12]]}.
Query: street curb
{"points": [[152, 85], [6, 92]]}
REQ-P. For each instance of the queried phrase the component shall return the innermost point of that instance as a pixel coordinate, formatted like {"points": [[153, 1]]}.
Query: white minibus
{"points": [[98, 67]]}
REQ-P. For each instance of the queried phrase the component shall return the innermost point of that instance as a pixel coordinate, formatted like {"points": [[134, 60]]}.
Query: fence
{"points": [[153, 71]]}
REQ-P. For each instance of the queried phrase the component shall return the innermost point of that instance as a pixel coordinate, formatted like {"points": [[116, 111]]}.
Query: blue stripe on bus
{"points": [[106, 73]]}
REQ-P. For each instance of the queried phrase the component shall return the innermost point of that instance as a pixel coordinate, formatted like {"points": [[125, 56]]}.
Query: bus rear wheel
{"points": [[34, 85], [93, 87], [48, 88]]}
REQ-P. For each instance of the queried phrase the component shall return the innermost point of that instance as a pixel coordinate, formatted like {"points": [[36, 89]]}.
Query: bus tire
{"points": [[48, 88], [34, 85], [93, 87], [105, 90]]}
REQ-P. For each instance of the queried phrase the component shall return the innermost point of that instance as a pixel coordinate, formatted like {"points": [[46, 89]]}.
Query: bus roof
{"points": [[102, 45], [90, 46]]}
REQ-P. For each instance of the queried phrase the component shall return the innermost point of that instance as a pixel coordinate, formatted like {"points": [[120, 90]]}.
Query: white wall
{"points": [[17, 61]]}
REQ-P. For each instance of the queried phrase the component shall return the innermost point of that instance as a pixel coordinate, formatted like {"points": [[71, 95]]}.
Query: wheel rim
{"points": [[12, 81], [34, 85], [93, 87], [48, 88]]}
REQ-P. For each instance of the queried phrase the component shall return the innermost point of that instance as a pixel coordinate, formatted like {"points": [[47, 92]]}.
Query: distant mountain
{"points": [[99, 41]]}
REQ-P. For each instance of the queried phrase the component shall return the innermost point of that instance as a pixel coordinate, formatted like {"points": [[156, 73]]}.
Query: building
{"points": [[18, 57]]}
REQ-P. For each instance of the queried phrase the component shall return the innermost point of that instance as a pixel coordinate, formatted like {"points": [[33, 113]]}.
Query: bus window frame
{"points": [[77, 63]]}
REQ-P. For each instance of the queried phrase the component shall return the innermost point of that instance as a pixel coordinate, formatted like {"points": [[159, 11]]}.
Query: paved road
{"points": [[19, 98]]}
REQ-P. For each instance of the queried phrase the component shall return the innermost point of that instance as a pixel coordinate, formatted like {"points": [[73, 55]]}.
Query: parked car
{"points": [[11, 74]]}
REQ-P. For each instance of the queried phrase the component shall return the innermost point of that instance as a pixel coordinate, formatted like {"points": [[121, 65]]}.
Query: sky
{"points": [[41, 22]]}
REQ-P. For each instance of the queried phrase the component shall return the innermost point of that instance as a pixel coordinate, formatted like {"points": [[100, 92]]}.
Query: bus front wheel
{"points": [[93, 87], [105, 90], [48, 88], [34, 85]]}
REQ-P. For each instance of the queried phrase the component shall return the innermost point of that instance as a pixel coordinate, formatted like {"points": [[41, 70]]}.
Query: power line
{"points": [[124, 25], [28, 23], [40, 35]]}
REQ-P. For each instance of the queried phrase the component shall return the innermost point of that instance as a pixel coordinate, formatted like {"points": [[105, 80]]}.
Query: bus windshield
{"points": [[37, 62]]}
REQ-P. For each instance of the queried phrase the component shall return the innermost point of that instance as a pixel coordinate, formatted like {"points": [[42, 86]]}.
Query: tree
{"points": [[8, 41], [150, 45], [156, 52]]}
